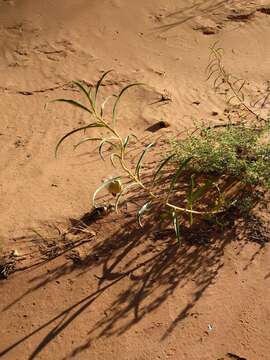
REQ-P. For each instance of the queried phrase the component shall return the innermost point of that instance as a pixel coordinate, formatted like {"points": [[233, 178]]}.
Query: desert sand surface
{"points": [[192, 303]]}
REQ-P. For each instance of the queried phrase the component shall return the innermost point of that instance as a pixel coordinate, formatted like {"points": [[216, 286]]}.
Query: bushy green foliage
{"points": [[237, 151]]}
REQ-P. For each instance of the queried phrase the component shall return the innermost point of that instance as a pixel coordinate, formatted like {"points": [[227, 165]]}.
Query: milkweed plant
{"points": [[208, 160]]}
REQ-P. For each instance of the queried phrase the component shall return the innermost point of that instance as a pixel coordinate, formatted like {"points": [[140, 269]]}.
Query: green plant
{"points": [[210, 170], [235, 151], [109, 135], [230, 155]]}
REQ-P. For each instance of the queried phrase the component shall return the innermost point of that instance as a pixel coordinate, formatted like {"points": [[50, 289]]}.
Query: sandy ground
{"points": [[205, 303]]}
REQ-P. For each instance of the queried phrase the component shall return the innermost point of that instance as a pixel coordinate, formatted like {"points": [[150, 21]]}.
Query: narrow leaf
{"points": [[142, 210], [191, 186], [210, 64], [74, 103], [99, 83], [82, 88], [162, 164], [126, 140], [176, 227], [190, 199], [211, 74], [85, 91], [112, 158], [100, 149], [138, 166], [216, 85], [119, 196], [83, 128], [125, 143], [85, 140]]}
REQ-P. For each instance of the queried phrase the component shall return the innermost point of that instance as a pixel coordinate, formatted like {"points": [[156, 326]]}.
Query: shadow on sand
{"points": [[153, 265]]}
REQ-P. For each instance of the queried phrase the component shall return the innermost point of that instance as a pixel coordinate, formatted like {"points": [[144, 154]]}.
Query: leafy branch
{"points": [[222, 79]]}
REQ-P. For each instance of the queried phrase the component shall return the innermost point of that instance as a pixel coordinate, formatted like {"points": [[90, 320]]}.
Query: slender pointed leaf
{"points": [[82, 141], [176, 227], [142, 210], [83, 128], [191, 186], [190, 198], [84, 90], [126, 140], [211, 74], [99, 84], [119, 196], [74, 103], [112, 158], [138, 166], [211, 62], [195, 195], [162, 164], [218, 78], [91, 95], [103, 142]]}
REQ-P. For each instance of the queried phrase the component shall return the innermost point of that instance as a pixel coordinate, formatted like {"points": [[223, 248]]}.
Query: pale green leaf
{"points": [[162, 164], [139, 163], [83, 128], [176, 226], [142, 210]]}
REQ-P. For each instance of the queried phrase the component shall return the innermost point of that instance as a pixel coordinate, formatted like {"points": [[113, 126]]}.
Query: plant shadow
{"points": [[151, 264]]}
